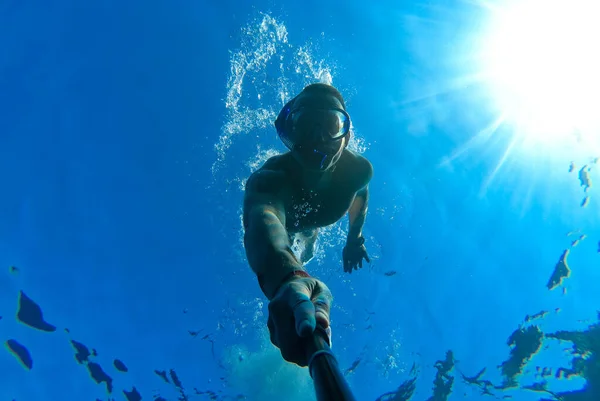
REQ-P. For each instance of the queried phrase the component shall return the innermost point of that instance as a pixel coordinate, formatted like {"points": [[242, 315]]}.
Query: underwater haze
{"points": [[127, 133]]}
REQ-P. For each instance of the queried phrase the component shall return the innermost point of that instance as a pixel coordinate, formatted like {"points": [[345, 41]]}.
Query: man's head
{"points": [[315, 126]]}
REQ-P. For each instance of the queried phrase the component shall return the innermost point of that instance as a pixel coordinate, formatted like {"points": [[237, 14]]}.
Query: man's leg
{"points": [[309, 238]]}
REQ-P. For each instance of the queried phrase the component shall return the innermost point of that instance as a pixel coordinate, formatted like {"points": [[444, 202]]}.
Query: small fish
{"points": [[390, 273], [413, 369], [353, 367]]}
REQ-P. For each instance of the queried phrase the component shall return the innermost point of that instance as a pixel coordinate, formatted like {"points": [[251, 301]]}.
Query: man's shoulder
{"points": [[359, 167], [277, 163], [270, 176]]}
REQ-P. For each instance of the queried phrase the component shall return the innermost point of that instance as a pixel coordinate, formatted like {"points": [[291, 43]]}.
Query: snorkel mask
{"points": [[311, 134]]}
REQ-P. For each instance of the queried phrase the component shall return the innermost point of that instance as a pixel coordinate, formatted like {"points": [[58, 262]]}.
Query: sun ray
{"points": [[482, 136], [503, 159], [459, 83], [482, 4]]}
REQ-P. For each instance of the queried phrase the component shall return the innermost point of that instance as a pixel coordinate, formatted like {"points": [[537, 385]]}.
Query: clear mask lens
{"points": [[325, 124]]}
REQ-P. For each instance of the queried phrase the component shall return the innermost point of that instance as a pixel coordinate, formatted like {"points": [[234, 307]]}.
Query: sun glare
{"points": [[542, 60]]}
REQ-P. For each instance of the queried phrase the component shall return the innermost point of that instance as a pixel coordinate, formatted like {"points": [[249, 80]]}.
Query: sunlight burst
{"points": [[542, 62]]}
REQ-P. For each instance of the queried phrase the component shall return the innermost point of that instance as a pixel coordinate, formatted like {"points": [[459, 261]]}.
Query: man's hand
{"points": [[353, 254], [299, 305]]}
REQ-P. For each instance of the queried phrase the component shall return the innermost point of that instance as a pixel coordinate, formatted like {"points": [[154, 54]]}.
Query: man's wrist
{"points": [[356, 239], [271, 285]]}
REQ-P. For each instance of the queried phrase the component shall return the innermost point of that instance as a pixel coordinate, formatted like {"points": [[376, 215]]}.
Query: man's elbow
{"points": [[263, 242], [261, 225], [253, 225], [256, 244]]}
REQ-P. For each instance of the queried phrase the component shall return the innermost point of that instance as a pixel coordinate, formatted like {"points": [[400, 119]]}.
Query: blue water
{"points": [[123, 218]]}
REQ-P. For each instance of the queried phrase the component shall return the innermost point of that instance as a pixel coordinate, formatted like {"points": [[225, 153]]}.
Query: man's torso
{"points": [[310, 208]]}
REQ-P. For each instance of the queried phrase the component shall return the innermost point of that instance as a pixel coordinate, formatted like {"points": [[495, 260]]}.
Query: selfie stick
{"points": [[329, 382]]}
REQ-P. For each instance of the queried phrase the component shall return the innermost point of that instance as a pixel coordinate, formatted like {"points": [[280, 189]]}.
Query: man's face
{"points": [[314, 124]]}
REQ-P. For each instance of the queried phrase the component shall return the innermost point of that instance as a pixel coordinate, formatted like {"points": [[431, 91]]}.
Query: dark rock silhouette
{"points": [[132, 395], [22, 353], [100, 375], [83, 353], [30, 313], [175, 379], [162, 374], [120, 366]]}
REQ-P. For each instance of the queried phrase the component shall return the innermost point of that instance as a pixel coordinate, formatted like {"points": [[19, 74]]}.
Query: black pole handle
{"points": [[330, 384]]}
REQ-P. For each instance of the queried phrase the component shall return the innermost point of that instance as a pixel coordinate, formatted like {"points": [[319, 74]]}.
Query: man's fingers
{"points": [[322, 308], [304, 316], [328, 332], [367, 258]]}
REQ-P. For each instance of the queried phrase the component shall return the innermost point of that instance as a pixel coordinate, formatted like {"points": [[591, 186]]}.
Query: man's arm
{"points": [[266, 240], [357, 214], [358, 209]]}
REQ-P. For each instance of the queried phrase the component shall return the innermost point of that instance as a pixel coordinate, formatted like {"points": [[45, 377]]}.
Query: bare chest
{"points": [[309, 209]]}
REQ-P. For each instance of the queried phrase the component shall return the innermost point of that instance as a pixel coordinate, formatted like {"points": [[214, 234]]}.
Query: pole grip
{"points": [[329, 382]]}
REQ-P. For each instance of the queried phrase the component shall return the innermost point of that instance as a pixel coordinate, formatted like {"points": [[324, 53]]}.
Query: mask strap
{"points": [[282, 117]]}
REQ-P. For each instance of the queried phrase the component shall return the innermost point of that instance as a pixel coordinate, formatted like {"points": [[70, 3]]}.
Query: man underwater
{"points": [[294, 194]]}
